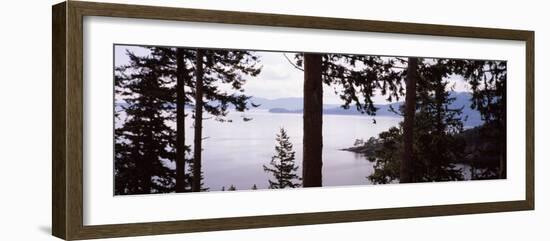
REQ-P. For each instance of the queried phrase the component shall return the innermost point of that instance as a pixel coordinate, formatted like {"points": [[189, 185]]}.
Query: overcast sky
{"points": [[278, 78]]}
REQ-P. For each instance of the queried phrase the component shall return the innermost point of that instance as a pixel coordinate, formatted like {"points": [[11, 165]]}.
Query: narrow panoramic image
{"points": [[202, 120]]}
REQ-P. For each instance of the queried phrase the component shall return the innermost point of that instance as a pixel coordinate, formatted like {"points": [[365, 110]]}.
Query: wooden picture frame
{"points": [[67, 149]]}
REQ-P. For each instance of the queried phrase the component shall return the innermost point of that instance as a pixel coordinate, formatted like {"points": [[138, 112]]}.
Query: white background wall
{"points": [[25, 120]]}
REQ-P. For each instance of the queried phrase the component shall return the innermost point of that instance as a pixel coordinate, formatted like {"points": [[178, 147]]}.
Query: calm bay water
{"points": [[233, 153]]}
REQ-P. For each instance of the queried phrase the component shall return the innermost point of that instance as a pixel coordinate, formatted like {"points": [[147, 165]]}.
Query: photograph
{"points": [[202, 120]]}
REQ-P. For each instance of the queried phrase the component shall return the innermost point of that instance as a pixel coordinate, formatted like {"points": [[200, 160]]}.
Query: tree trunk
{"points": [[405, 170], [145, 164], [313, 121], [196, 187], [180, 121]]}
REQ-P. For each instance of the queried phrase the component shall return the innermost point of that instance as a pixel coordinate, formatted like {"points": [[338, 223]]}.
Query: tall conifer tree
{"points": [[487, 79], [355, 78], [214, 69], [143, 140]]}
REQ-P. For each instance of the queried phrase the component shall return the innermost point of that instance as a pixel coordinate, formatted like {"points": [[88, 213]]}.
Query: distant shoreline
{"points": [[333, 111]]}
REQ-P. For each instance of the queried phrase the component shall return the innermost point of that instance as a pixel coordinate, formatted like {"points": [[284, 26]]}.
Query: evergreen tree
{"points": [[232, 188], [197, 147], [214, 68], [406, 171], [282, 165], [182, 77], [487, 79], [437, 148], [220, 68], [434, 145], [388, 149], [254, 187], [355, 78], [143, 140], [177, 77]]}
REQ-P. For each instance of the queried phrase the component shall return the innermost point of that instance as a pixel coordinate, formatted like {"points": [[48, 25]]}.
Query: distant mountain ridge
{"points": [[294, 105], [470, 117]]}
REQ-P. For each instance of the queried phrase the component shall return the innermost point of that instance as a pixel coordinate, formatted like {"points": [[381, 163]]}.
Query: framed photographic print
{"points": [[170, 120]]}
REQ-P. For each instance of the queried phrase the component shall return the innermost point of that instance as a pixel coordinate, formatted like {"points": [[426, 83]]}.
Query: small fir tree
{"points": [[282, 165]]}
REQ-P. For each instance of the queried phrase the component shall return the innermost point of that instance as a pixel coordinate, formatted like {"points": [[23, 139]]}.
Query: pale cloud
{"points": [[278, 78]]}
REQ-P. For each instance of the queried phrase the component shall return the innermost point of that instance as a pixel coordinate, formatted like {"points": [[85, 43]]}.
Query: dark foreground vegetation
{"points": [[477, 149]]}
